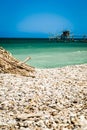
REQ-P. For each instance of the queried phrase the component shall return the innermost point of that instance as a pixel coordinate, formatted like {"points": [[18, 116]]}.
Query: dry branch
{"points": [[8, 64]]}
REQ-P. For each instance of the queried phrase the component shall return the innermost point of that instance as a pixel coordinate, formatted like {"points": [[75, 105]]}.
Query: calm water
{"points": [[49, 55]]}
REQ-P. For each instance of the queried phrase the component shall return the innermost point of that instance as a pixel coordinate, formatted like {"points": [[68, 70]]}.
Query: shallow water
{"points": [[49, 54]]}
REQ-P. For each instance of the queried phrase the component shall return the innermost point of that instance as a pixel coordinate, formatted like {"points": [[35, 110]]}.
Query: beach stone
{"points": [[56, 99]]}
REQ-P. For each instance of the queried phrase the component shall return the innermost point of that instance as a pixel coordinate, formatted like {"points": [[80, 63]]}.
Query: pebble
{"points": [[56, 99]]}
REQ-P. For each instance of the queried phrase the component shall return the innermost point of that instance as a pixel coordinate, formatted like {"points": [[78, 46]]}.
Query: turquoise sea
{"points": [[46, 54]]}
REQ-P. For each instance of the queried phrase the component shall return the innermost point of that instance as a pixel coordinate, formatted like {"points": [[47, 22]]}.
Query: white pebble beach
{"points": [[55, 99]]}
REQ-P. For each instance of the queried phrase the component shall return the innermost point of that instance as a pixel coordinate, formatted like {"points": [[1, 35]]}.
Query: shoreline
{"points": [[55, 98]]}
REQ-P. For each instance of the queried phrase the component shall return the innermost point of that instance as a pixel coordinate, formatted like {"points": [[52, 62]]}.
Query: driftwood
{"points": [[28, 58], [8, 64]]}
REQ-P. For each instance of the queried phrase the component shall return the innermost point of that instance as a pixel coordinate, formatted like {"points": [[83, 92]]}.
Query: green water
{"points": [[49, 54]]}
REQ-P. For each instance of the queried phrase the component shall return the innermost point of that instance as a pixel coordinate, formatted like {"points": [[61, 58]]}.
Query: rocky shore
{"points": [[55, 99]]}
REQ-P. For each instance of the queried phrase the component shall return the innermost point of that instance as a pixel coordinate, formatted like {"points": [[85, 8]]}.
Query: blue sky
{"points": [[38, 18]]}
